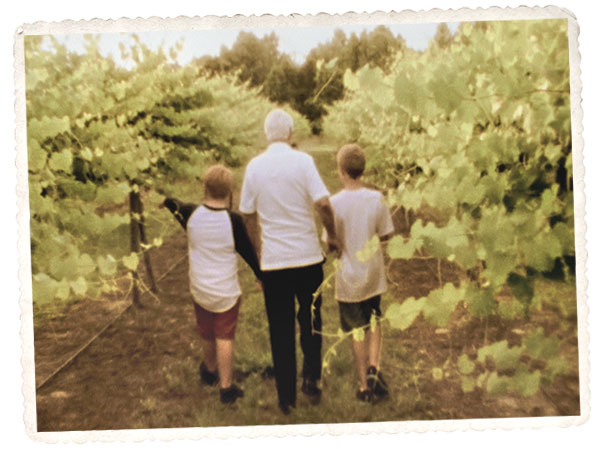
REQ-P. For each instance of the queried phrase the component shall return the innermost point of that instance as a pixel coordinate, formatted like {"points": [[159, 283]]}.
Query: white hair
{"points": [[278, 125]]}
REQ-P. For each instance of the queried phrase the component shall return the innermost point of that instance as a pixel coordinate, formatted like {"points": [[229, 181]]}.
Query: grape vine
{"points": [[478, 132]]}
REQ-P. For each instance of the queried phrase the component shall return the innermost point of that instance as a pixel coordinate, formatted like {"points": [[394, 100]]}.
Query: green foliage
{"points": [[476, 128], [96, 132], [401, 316]]}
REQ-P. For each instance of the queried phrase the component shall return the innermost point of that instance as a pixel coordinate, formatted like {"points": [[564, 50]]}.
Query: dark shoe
{"points": [[208, 377], [364, 395], [268, 372], [310, 389], [376, 383], [230, 395], [286, 409]]}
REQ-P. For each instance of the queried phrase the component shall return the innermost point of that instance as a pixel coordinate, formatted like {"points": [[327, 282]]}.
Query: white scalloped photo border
{"points": [[296, 20]]}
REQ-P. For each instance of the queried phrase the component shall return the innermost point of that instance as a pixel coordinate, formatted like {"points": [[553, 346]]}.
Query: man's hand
{"points": [[326, 214], [333, 244]]}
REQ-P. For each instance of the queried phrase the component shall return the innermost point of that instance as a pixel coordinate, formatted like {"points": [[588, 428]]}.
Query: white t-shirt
{"points": [[282, 185], [213, 259], [360, 215]]}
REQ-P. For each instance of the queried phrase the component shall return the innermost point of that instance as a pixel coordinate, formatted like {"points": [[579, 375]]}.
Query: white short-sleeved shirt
{"points": [[360, 215], [213, 259], [282, 185]]}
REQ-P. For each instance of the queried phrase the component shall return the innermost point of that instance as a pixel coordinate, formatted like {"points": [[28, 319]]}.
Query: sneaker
{"points": [[364, 395], [310, 389], [230, 395], [286, 409], [208, 377], [376, 382]]}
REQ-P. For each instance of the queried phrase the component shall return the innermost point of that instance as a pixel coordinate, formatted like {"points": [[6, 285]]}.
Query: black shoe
{"points": [[208, 377], [364, 395], [230, 395], [376, 383], [286, 409], [310, 389]]}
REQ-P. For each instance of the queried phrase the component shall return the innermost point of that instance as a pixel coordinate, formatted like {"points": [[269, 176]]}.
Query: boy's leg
{"points": [[359, 348], [225, 361], [352, 316], [307, 281], [373, 339], [209, 348], [279, 302], [205, 326], [225, 324]]}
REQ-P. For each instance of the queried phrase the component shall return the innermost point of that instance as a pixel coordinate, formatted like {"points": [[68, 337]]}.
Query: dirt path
{"points": [[142, 372]]}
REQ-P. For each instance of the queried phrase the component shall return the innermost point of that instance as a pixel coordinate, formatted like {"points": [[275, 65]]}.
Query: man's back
{"points": [[281, 185]]}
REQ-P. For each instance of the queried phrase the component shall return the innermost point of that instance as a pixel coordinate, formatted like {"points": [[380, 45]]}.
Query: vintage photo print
{"points": [[301, 224]]}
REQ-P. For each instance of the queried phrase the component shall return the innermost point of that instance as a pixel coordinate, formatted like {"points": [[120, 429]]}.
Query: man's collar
{"points": [[278, 146]]}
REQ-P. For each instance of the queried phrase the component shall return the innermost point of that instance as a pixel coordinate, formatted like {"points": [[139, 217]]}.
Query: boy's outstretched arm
{"points": [[182, 211], [327, 217], [243, 245]]}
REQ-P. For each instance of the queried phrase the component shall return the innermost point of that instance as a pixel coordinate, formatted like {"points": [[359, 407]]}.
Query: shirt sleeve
{"points": [[180, 210], [249, 193], [314, 183], [385, 226], [243, 245]]}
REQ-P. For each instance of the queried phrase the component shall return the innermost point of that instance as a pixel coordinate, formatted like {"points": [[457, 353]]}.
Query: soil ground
{"points": [[142, 372]]}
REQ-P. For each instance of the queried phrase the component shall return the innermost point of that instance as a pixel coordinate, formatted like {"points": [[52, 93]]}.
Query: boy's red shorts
{"points": [[213, 325]]}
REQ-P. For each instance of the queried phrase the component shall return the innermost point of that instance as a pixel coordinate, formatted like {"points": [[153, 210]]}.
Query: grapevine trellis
{"points": [[478, 132]]}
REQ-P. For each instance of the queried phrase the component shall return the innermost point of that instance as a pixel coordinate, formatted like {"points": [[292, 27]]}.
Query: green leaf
{"points": [[522, 288], [79, 286], [465, 365], [87, 154], [440, 304], [525, 383], [37, 156], [540, 347], [107, 265], [401, 316], [398, 249], [113, 193], [351, 80], [44, 288], [373, 322], [86, 265], [504, 357], [497, 385], [467, 384], [131, 262], [369, 250], [358, 334], [61, 161], [63, 291]]}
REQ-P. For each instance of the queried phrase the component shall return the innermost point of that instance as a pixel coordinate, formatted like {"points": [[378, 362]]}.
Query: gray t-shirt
{"points": [[359, 216]]}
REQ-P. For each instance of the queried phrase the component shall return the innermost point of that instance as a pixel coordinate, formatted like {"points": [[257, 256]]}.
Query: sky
{"points": [[295, 41]]}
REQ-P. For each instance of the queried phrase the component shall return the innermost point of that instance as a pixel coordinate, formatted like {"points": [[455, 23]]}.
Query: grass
{"points": [[178, 399]]}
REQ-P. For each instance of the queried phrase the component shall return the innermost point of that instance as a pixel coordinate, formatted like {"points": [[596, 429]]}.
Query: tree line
{"points": [[317, 82]]}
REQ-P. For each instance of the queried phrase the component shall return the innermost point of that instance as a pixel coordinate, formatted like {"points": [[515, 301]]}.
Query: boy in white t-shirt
{"points": [[360, 215], [216, 235]]}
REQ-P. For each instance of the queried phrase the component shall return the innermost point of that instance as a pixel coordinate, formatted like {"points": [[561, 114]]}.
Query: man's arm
{"points": [[328, 219], [253, 229], [243, 245]]}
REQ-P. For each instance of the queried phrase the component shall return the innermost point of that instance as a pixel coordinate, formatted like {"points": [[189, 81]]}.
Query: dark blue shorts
{"points": [[354, 315]]}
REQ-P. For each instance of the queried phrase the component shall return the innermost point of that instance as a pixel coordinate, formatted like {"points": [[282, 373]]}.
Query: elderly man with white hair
{"points": [[280, 191]]}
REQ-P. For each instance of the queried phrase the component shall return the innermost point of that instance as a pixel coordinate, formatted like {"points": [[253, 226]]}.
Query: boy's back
{"points": [[360, 214]]}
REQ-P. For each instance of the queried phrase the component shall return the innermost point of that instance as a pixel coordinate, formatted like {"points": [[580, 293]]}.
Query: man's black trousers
{"points": [[280, 288]]}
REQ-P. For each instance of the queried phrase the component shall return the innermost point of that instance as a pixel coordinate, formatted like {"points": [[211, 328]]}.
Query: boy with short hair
{"points": [[215, 235], [361, 214]]}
